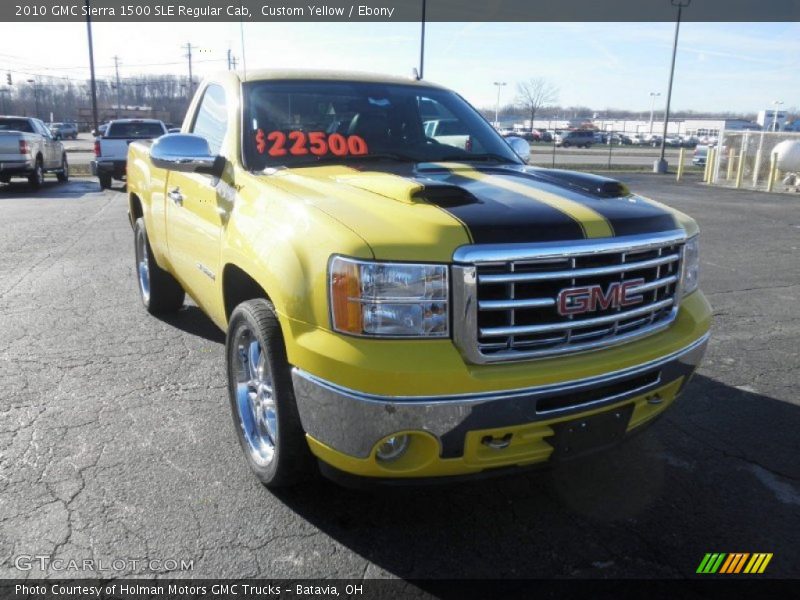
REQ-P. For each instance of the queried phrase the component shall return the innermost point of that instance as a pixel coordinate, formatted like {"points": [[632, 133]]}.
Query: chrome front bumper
{"points": [[352, 422]]}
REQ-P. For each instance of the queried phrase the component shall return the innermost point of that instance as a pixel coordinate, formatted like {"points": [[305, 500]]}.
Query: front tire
{"points": [[158, 290], [262, 397], [105, 181], [63, 173]]}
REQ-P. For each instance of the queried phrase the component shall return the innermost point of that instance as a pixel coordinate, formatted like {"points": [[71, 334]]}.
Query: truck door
{"points": [[50, 156], [194, 213]]}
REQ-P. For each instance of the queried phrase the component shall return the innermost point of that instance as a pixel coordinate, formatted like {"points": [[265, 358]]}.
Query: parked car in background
{"points": [[28, 149], [688, 141], [673, 141], [63, 131], [111, 149], [600, 137], [530, 136], [544, 135], [700, 155], [618, 139], [582, 138]]}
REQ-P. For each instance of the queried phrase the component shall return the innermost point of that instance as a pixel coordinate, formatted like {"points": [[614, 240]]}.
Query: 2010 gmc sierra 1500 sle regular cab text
{"points": [[399, 308]]}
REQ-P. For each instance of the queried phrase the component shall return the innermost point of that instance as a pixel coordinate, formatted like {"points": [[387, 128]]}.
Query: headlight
{"points": [[388, 299], [691, 265]]}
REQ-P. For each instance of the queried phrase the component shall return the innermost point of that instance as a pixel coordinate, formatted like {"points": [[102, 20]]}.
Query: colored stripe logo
{"points": [[734, 563]]}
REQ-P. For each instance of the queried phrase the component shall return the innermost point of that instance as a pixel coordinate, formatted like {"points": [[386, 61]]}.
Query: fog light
{"points": [[392, 447]]}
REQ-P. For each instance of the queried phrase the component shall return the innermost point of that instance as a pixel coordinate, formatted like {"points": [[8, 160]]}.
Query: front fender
{"points": [[284, 245]]}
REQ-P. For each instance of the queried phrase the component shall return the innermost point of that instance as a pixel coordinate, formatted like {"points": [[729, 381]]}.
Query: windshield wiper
{"points": [[488, 156]]}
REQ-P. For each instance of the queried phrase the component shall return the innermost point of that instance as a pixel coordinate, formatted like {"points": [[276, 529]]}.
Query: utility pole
{"points": [[660, 166], [91, 64], [422, 44], [188, 47], [116, 69], [229, 59], [234, 62]]}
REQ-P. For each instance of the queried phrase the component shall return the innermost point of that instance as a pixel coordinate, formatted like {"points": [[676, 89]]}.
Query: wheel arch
{"points": [[135, 208], [238, 286]]}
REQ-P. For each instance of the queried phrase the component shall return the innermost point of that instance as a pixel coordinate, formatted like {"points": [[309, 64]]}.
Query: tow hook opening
{"points": [[498, 443], [654, 399]]}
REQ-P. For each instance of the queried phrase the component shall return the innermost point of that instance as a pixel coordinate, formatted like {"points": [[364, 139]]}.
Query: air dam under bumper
{"points": [[348, 422]]}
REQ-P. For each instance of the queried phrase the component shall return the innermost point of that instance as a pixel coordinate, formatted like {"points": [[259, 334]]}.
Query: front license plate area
{"points": [[589, 434]]}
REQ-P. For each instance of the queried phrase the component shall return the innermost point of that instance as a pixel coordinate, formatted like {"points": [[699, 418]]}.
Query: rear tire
{"points": [[158, 290], [262, 397], [63, 173], [36, 178], [105, 181]]}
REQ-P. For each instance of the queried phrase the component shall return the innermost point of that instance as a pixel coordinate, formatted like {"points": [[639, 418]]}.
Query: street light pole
{"points": [[91, 65], [660, 165], [777, 103], [499, 85], [652, 108], [35, 96]]}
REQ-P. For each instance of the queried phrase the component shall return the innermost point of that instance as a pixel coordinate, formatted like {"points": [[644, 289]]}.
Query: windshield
{"points": [[297, 123], [135, 129], [22, 125]]}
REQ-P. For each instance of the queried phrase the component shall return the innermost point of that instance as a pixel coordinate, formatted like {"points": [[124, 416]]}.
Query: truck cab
{"points": [[400, 308]]}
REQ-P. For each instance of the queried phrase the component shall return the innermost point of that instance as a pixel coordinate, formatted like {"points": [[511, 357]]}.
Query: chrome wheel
{"points": [[255, 397], [143, 267]]}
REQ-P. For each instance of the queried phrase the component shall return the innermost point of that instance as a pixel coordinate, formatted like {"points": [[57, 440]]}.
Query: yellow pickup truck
{"points": [[398, 308]]}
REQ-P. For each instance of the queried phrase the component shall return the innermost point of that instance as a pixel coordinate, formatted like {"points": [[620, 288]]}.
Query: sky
{"points": [[737, 67]]}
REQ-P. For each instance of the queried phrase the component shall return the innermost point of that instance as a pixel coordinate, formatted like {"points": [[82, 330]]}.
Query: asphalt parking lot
{"points": [[116, 439]]}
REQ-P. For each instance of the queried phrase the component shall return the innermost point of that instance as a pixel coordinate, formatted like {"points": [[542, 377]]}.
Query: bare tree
{"points": [[534, 94]]}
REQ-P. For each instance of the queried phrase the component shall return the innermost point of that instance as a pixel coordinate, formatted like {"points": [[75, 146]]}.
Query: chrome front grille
{"points": [[507, 303]]}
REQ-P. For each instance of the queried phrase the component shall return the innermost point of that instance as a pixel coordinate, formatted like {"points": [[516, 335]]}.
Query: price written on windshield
{"points": [[317, 143]]}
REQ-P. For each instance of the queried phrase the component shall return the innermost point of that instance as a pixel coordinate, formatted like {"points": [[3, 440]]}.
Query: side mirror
{"points": [[520, 147], [184, 152]]}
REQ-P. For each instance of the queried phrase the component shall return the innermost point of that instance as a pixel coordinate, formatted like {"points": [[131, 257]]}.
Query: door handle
{"points": [[176, 196]]}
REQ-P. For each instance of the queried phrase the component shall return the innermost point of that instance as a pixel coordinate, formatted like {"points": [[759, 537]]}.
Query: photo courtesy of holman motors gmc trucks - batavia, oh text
{"points": [[402, 305]]}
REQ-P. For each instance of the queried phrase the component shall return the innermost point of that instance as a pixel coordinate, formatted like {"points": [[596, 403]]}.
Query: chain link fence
{"points": [[747, 159]]}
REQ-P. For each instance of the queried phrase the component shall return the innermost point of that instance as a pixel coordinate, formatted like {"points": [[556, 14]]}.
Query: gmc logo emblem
{"points": [[579, 300]]}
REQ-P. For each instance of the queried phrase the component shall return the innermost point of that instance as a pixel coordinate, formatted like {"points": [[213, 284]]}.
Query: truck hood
{"points": [[491, 204]]}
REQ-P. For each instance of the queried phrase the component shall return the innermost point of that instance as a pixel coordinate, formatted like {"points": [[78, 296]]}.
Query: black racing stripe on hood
{"points": [[628, 213], [497, 216]]}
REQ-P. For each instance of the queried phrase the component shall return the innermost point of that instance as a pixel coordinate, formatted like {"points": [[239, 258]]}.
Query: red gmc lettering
{"points": [[579, 300]]}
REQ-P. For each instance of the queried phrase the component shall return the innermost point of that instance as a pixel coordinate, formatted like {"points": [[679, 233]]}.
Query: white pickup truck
{"points": [[111, 149], [28, 149]]}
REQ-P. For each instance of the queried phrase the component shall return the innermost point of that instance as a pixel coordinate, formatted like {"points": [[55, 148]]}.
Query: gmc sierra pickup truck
{"points": [[28, 149], [399, 308]]}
